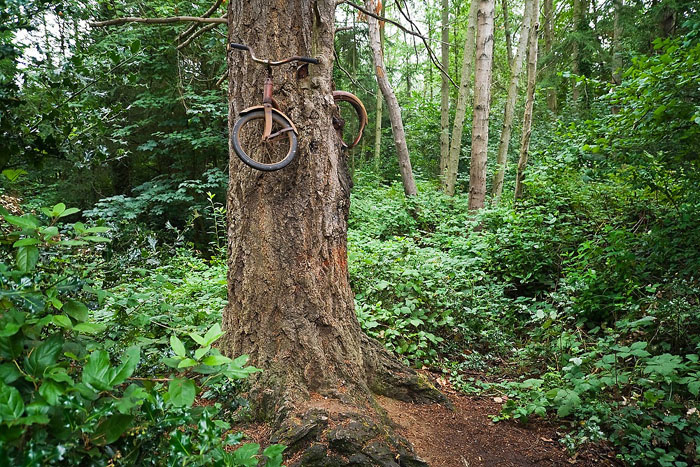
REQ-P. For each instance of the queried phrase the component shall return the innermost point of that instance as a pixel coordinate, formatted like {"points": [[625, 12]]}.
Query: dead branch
{"points": [[196, 34], [172, 19]]}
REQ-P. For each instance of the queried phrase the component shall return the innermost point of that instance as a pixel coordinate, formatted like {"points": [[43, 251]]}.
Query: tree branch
{"points": [[206, 14], [172, 19], [196, 34]]}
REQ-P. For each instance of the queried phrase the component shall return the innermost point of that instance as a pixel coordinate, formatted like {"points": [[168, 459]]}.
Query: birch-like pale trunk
{"points": [[506, 27], [509, 111], [445, 90], [529, 103], [575, 49], [392, 104], [379, 103], [548, 43], [617, 49], [462, 99], [482, 97]]}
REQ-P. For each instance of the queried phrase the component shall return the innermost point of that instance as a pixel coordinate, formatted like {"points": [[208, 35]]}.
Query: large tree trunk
{"points": [[517, 65], [461, 109], [529, 103], [445, 90], [392, 104], [290, 307], [548, 43], [380, 102], [482, 97]]}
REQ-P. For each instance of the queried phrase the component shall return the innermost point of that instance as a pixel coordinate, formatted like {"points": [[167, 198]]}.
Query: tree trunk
{"points": [[575, 49], [290, 307], [482, 97], [461, 109], [445, 90], [548, 44], [616, 45], [529, 103], [506, 27], [392, 104], [380, 102], [517, 65]]}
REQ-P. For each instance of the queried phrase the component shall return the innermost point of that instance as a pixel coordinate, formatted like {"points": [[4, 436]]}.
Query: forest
{"points": [[503, 271]]}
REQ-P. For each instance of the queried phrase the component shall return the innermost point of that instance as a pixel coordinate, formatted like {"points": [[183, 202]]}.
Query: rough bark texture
{"points": [[482, 97], [548, 43], [529, 103], [290, 305], [506, 131], [462, 98], [506, 28], [445, 90], [392, 104], [380, 102]]}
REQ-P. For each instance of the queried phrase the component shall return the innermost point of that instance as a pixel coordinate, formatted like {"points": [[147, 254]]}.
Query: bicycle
{"points": [[264, 138]]}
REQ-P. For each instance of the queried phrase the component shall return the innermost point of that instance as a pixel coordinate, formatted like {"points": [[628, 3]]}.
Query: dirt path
{"points": [[466, 437]]}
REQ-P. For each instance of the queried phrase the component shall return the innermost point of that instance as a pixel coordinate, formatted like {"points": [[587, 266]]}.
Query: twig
{"points": [[172, 19], [206, 14], [221, 80], [198, 33], [354, 81], [136, 378]]}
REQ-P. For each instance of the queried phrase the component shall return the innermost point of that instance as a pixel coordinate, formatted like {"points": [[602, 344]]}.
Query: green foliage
{"points": [[65, 398]]}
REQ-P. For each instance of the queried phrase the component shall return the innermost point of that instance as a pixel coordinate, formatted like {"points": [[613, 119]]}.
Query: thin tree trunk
{"points": [[529, 103], [380, 102], [392, 104], [290, 307], [616, 45], [575, 49], [506, 27], [445, 91], [509, 111], [462, 98], [548, 44], [482, 97]]}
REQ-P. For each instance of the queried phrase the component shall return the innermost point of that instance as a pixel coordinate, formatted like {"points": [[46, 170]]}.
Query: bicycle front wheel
{"points": [[267, 154]]}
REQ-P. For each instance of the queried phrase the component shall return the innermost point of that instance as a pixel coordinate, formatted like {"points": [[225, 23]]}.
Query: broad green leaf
{"points": [[126, 369], [213, 334], [245, 455], [44, 355], [96, 371], [63, 321], [25, 242], [50, 391], [109, 430], [199, 353], [89, 328], [198, 339], [27, 221], [187, 362], [76, 310], [9, 372], [11, 403], [69, 211], [182, 392], [214, 360], [27, 257], [133, 397], [177, 346], [274, 455], [58, 210]]}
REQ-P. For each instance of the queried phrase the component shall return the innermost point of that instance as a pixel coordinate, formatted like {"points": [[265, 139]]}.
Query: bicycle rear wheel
{"points": [[264, 154]]}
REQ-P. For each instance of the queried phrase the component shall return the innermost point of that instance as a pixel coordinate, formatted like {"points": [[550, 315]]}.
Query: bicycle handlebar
{"points": [[295, 58]]}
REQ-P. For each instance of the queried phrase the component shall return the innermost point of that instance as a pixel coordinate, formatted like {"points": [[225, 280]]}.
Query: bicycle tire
{"points": [[249, 161], [356, 103]]}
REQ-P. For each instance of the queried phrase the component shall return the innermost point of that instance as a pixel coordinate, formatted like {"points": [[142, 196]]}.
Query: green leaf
{"points": [[568, 401], [213, 334], [198, 339], [126, 369], [245, 455], [135, 46], [27, 221], [96, 371], [9, 372], [63, 321], [44, 355], [25, 242], [274, 455], [69, 211], [187, 362], [96, 239], [27, 257], [182, 392], [133, 397], [214, 360], [58, 210], [11, 403], [694, 387], [76, 310], [177, 346], [109, 430], [50, 391], [199, 353], [664, 365]]}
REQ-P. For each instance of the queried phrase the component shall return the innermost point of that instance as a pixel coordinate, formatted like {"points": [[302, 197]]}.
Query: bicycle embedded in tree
{"points": [[264, 137]]}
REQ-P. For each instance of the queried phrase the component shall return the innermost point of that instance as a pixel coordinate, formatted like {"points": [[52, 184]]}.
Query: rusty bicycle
{"points": [[264, 138]]}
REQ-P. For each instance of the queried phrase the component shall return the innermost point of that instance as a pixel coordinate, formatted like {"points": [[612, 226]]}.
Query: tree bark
{"points": [[380, 102], [575, 49], [290, 307], [616, 45], [548, 44], [506, 28], [529, 103], [461, 108], [482, 97], [392, 104], [445, 90], [516, 68]]}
